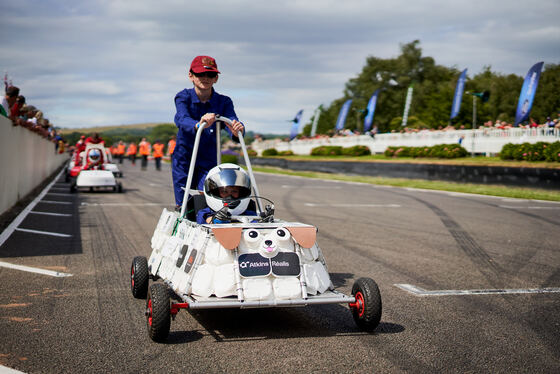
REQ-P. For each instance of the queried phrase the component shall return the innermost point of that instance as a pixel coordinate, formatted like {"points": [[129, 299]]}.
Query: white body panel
{"points": [[96, 178], [194, 264]]}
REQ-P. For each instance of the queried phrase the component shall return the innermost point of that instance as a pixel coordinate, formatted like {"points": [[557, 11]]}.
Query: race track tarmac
{"points": [[469, 284]]}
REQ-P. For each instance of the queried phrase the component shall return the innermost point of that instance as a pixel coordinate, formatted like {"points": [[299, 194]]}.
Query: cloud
{"points": [[112, 62]]}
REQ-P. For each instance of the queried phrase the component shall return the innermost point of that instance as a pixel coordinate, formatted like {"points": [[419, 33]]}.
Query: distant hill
{"points": [[105, 129]]}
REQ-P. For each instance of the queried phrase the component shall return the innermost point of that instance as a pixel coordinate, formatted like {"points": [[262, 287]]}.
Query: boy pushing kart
{"points": [[196, 106]]}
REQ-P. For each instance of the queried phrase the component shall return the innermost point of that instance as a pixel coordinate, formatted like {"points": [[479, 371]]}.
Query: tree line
{"points": [[434, 87]]}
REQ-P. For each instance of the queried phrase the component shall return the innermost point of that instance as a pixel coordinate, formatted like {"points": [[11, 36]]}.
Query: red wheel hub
{"points": [[149, 312], [359, 305]]}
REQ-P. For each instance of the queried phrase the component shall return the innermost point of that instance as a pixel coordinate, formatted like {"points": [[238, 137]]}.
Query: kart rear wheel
{"points": [[119, 188], [158, 312], [139, 277], [73, 186], [367, 308]]}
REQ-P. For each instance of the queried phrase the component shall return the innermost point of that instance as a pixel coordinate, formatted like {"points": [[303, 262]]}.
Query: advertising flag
{"points": [[295, 125], [407, 105], [315, 121], [370, 111], [528, 93], [342, 115], [459, 88]]}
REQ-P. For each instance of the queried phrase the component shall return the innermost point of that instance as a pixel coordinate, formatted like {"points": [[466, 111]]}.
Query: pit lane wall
{"points": [[26, 160]]}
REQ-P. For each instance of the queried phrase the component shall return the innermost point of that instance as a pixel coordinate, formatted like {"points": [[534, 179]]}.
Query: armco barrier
{"points": [[548, 178], [26, 160]]}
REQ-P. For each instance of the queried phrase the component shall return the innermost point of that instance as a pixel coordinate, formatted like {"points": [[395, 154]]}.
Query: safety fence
{"points": [[26, 160], [487, 141]]}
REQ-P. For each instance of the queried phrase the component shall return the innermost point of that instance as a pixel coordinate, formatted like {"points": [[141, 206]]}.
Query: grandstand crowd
{"points": [[22, 114], [15, 108]]}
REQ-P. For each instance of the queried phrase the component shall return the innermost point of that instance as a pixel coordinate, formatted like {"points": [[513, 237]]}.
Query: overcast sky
{"points": [[108, 62]]}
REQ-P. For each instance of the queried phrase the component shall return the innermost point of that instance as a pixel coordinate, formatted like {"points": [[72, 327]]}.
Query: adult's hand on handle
{"points": [[209, 118], [235, 127]]}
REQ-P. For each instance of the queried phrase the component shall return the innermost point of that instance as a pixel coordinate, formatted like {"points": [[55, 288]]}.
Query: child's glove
{"points": [[222, 216]]}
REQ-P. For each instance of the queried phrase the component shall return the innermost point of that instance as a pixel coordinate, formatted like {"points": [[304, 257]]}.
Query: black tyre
{"points": [[367, 308], [158, 312], [139, 277], [119, 188], [67, 177], [73, 187]]}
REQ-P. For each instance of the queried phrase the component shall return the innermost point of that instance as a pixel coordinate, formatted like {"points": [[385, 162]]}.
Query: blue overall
{"points": [[189, 111]]}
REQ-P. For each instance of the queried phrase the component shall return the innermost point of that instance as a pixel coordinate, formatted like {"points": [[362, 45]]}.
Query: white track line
{"points": [[126, 204], [44, 233], [55, 202], [529, 207], [16, 222], [355, 205], [34, 270], [51, 214], [417, 291]]}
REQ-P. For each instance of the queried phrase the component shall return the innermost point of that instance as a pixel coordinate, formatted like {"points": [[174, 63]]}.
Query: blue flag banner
{"points": [[370, 111], [295, 125], [459, 88], [528, 93], [342, 115]]}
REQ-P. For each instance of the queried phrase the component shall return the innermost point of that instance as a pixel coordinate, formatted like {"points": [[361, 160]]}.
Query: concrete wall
{"points": [[487, 141], [26, 160]]}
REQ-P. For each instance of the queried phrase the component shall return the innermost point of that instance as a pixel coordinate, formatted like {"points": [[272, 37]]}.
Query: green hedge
{"points": [[229, 159], [270, 152], [332, 150], [357, 150], [437, 151], [539, 151], [285, 153], [327, 150]]}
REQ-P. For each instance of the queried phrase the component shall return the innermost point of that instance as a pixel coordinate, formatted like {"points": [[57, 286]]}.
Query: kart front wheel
{"points": [[158, 312], [367, 308], [139, 277]]}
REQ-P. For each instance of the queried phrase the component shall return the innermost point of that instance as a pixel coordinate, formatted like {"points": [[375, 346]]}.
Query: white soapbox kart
{"points": [[262, 264], [92, 172]]}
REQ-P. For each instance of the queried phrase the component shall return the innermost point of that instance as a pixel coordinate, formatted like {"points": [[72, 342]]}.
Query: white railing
{"points": [[485, 140]]}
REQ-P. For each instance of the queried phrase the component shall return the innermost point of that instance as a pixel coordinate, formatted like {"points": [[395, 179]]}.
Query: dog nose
{"points": [[268, 242]]}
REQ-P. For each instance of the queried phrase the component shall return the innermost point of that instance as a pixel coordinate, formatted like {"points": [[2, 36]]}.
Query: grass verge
{"points": [[481, 189], [472, 161]]}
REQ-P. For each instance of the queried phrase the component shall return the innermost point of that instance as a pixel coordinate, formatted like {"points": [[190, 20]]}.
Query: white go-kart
{"points": [[92, 173], [258, 262]]}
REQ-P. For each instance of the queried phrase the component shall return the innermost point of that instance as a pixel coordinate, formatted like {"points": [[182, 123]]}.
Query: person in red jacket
{"points": [[95, 139]]}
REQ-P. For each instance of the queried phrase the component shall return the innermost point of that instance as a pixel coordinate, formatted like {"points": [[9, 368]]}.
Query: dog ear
{"points": [[229, 237], [304, 236]]}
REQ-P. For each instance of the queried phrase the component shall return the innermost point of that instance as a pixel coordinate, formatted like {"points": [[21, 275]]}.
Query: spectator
{"points": [[9, 100]]}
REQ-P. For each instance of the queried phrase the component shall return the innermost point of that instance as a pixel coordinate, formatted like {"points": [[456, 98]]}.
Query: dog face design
{"points": [[268, 243]]}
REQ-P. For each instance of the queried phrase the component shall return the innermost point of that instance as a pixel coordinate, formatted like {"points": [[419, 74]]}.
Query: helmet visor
{"points": [[229, 183]]}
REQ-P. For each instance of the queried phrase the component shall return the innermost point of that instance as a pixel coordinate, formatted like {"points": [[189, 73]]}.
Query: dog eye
{"points": [[281, 233], [253, 234]]}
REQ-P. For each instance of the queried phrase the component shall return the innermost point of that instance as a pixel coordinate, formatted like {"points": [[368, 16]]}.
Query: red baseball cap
{"points": [[200, 64]]}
